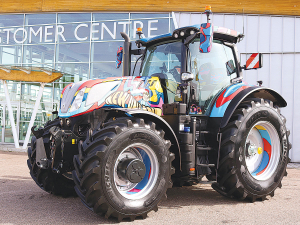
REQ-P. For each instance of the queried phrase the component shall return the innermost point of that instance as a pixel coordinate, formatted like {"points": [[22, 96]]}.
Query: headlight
{"points": [[78, 100]]}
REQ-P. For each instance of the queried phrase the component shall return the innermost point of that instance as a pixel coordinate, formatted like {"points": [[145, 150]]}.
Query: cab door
{"points": [[210, 73]]}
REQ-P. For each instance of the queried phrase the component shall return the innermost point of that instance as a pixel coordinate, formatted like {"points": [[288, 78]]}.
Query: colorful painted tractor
{"points": [[123, 141]]}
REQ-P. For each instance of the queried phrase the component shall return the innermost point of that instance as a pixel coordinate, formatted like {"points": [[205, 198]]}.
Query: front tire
{"points": [[46, 179], [254, 152], [124, 169]]}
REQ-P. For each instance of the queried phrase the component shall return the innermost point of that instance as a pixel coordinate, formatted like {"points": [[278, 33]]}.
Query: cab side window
{"points": [[210, 71]]}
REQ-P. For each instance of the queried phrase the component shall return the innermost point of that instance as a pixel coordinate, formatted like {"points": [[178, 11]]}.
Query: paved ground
{"points": [[23, 202]]}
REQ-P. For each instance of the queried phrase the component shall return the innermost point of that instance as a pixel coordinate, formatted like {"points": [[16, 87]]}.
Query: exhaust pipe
{"points": [[126, 55]]}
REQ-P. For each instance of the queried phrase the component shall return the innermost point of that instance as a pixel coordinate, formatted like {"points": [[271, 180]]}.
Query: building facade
{"points": [[83, 45]]}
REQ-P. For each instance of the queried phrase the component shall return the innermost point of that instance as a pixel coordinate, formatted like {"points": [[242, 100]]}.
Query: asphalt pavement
{"points": [[23, 202]]}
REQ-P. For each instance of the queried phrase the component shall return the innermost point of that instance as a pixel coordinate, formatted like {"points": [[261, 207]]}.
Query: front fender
{"points": [[252, 92], [160, 122]]}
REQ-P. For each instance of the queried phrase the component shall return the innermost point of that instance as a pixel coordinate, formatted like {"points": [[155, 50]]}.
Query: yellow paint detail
{"points": [[61, 95], [260, 150], [76, 93], [73, 141], [260, 127], [87, 90], [154, 86]]}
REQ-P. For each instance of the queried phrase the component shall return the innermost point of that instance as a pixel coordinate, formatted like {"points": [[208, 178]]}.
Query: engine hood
{"points": [[116, 92]]}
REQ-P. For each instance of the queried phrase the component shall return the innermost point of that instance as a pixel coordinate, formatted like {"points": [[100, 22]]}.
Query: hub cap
{"points": [[262, 150], [136, 171]]}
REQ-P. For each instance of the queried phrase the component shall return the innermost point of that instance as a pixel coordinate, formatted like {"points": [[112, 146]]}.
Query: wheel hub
{"points": [[133, 170]]}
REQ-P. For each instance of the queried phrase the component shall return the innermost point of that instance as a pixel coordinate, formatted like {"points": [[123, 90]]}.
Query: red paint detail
{"points": [[268, 149], [138, 97], [256, 65], [122, 85], [134, 190], [149, 173], [222, 100], [249, 61]]}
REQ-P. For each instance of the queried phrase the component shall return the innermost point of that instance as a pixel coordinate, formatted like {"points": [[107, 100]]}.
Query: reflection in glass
{"points": [[73, 17], [8, 135], [103, 70], [110, 16], [78, 52], [13, 90], [148, 15], [105, 51], [74, 71], [45, 18], [10, 55], [11, 20], [38, 54]]}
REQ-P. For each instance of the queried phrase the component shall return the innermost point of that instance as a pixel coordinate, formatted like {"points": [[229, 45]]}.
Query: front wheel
{"points": [[254, 152], [124, 169]]}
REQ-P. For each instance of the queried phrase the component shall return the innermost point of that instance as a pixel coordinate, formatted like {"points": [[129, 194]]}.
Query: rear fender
{"points": [[252, 92]]}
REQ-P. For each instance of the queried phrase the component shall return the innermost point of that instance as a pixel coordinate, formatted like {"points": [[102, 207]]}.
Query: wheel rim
{"points": [[262, 150], [137, 152]]}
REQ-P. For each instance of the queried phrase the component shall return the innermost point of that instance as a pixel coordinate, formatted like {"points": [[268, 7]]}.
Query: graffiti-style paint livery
{"points": [[115, 92], [225, 98]]}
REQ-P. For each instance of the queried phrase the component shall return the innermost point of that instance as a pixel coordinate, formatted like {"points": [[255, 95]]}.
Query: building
{"points": [[82, 42]]}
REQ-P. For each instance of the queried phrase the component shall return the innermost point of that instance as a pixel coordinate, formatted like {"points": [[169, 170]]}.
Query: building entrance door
{"points": [[6, 135]]}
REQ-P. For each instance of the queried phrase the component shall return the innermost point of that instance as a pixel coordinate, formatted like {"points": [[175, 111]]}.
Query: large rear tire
{"points": [[254, 152], [124, 169], [46, 179]]}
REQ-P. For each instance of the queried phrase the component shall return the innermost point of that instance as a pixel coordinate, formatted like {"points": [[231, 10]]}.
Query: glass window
{"points": [[38, 54], [73, 17], [11, 20], [12, 35], [210, 70], [78, 52], [10, 55], [110, 16], [151, 27], [58, 87], [148, 15], [164, 59], [45, 18], [103, 70], [74, 71], [105, 51], [73, 32], [13, 90]]}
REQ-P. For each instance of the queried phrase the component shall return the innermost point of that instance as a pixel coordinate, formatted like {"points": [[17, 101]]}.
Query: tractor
{"points": [[120, 142]]}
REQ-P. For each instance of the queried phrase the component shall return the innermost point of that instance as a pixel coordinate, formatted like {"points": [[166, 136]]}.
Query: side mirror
{"points": [[206, 37], [230, 67], [119, 57], [255, 61], [186, 77]]}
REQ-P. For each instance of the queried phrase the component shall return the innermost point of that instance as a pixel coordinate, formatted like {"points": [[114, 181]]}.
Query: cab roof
{"points": [[219, 33]]}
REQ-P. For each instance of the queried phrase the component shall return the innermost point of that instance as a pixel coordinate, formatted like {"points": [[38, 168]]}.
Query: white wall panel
{"points": [[297, 34], [251, 34], [295, 156], [264, 30], [288, 34], [276, 34]]}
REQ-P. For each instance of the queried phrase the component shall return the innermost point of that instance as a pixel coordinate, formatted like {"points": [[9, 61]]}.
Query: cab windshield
{"points": [[163, 60]]}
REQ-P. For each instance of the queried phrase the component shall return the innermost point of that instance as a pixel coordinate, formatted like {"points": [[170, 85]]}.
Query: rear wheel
{"points": [[124, 169], [254, 152]]}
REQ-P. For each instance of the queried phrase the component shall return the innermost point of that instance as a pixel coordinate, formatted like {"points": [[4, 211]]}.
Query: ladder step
{"points": [[204, 132], [206, 165], [203, 148]]}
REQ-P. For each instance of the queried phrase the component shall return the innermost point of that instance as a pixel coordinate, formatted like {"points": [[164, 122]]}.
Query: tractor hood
{"points": [[115, 92]]}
